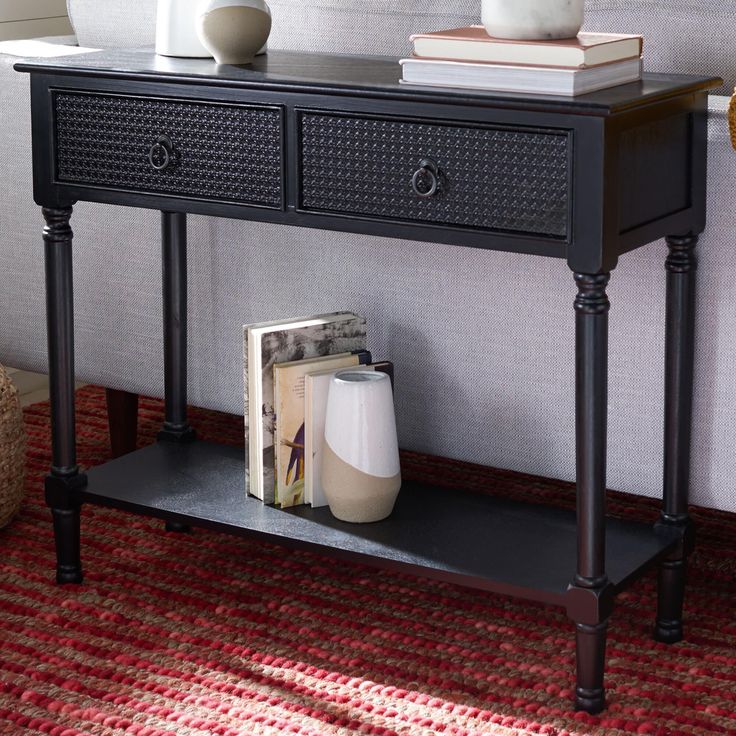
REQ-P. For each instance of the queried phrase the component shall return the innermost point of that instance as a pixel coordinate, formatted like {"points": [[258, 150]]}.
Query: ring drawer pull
{"points": [[162, 154], [429, 174]]}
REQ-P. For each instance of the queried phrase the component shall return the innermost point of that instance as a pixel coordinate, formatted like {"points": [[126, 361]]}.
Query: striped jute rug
{"points": [[209, 635]]}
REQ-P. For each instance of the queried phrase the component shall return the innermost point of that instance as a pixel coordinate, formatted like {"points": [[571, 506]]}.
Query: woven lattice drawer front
{"points": [[219, 152], [490, 178]]}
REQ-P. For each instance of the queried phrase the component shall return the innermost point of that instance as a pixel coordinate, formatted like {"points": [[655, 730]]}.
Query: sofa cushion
{"points": [[113, 23], [687, 36]]}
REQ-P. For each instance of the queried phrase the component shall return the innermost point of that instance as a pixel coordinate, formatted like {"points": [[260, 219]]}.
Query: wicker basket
{"points": [[732, 119], [12, 450]]}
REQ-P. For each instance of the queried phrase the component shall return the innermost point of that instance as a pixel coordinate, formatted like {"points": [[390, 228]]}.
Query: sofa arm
{"points": [[61, 40], [42, 47]]}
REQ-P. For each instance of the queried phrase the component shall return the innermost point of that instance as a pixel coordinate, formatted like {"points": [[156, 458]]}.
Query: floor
{"points": [[212, 634]]}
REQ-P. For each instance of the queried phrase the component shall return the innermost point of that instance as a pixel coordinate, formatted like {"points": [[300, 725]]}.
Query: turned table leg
{"points": [[174, 272], [64, 481], [681, 267], [591, 582]]}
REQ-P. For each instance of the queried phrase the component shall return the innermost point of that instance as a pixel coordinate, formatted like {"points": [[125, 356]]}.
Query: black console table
{"points": [[336, 143]]}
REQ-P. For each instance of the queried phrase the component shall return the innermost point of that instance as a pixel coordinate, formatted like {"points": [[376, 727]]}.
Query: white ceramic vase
{"points": [[361, 475], [176, 30], [533, 19], [234, 31]]}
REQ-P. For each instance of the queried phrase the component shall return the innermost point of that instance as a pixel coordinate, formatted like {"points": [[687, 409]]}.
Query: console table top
{"points": [[371, 76]]}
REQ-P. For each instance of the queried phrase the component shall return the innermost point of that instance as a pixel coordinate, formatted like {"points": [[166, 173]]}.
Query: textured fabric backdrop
{"points": [[483, 342]]}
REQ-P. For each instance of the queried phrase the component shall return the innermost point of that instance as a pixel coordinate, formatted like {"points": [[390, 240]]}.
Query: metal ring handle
{"points": [[161, 154], [428, 169]]}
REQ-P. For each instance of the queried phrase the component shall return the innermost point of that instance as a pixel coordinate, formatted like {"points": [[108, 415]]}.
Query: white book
{"points": [[523, 79], [316, 389]]}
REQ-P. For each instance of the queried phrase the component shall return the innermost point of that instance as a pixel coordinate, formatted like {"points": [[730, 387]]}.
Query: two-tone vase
{"points": [[361, 475], [234, 31]]}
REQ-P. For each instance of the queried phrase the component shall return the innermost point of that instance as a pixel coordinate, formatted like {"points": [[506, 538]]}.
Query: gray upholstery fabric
{"points": [[687, 36], [684, 36], [484, 373]]}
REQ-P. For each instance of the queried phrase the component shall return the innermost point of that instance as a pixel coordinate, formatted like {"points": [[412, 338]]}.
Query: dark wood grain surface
{"points": [[377, 76], [477, 540]]}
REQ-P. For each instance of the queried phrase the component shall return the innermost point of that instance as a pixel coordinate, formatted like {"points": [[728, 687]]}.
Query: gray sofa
{"points": [[484, 373]]}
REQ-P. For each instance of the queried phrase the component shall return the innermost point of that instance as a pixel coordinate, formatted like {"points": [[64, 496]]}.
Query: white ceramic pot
{"points": [[533, 19], [361, 475], [234, 31], [176, 30]]}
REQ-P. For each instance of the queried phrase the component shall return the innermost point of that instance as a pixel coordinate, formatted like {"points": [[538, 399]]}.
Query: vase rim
{"points": [[209, 5], [351, 376]]}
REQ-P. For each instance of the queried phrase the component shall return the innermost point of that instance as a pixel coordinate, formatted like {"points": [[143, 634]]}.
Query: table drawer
{"points": [[212, 151], [491, 178]]}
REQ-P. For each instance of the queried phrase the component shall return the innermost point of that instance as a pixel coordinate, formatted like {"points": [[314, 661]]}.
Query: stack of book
{"points": [[288, 366], [470, 58]]}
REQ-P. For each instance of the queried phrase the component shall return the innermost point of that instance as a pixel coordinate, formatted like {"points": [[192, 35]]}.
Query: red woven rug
{"points": [[209, 635]]}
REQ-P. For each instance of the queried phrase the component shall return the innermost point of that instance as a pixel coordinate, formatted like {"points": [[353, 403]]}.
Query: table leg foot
{"points": [[668, 628], [68, 548], [591, 656]]}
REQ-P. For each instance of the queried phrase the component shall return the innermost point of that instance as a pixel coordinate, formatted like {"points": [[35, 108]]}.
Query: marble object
{"points": [[234, 31], [176, 31], [361, 476], [533, 19]]}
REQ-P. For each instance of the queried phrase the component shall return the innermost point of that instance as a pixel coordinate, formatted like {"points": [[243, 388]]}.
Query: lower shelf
{"points": [[460, 537]]}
